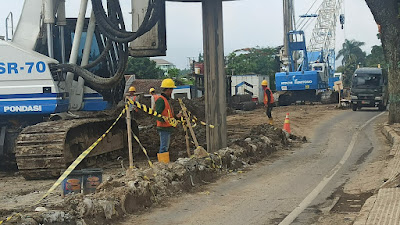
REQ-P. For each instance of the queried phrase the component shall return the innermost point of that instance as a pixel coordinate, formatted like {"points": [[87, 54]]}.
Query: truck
{"points": [[368, 89], [61, 80]]}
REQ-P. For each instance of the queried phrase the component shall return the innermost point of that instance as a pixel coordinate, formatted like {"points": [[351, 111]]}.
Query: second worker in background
{"points": [[268, 101]]}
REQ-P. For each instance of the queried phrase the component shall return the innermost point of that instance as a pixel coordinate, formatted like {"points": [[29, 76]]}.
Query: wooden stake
{"points": [[199, 151], [188, 123], [187, 140], [340, 98], [129, 128]]}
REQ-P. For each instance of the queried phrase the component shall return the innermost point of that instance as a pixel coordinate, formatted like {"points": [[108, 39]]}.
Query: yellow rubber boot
{"points": [[163, 157], [271, 121]]}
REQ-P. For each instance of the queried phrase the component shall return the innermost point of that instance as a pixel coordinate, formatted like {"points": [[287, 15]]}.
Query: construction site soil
{"points": [[131, 191]]}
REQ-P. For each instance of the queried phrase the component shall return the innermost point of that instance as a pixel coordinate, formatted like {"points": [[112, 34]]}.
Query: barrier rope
{"points": [[80, 158]]}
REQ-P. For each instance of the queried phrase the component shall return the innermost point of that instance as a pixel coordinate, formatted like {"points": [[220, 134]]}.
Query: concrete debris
{"points": [[141, 188], [56, 216], [41, 209]]}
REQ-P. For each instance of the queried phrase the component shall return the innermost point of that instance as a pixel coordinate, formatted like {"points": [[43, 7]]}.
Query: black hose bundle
{"points": [[111, 26], [117, 34], [93, 81]]}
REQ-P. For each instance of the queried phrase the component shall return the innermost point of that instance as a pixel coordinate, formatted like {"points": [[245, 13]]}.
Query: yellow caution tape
{"points": [[150, 111], [80, 158], [171, 121], [9, 218], [220, 160], [143, 149]]}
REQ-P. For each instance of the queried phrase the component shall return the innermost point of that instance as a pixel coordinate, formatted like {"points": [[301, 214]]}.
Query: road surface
{"points": [[293, 189]]}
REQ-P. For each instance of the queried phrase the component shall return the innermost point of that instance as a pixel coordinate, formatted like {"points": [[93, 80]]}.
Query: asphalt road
{"points": [[291, 190]]}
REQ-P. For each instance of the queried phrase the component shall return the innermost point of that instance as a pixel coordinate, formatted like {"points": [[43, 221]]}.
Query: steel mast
{"points": [[324, 33]]}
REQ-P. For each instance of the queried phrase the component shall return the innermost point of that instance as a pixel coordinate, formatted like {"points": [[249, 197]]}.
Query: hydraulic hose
{"points": [[93, 81], [101, 57], [110, 31], [112, 28]]}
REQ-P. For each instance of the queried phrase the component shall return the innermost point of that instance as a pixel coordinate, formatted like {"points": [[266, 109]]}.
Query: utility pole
{"points": [[288, 22], [288, 25], [214, 74]]}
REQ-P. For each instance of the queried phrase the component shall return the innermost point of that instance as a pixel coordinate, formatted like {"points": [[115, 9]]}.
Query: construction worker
{"points": [[132, 94], [165, 128], [154, 97], [133, 109], [268, 100]]}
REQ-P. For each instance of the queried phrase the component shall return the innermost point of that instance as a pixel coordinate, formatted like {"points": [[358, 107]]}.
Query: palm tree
{"points": [[351, 52]]}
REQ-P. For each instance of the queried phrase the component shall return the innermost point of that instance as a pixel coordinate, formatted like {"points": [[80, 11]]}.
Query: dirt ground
{"points": [[19, 195], [303, 118]]}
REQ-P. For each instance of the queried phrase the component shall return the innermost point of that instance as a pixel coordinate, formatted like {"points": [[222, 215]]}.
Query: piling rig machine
{"points": [[61, 79], [308, 70]]}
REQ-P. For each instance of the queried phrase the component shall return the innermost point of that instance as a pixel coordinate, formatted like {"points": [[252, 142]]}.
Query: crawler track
{"points": [[44, 150]]}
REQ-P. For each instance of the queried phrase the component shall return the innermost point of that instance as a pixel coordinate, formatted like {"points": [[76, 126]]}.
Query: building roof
{"points": [[144, 85], [162, 62]]}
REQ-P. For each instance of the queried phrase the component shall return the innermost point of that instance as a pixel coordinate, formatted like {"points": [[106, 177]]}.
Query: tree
{"points": [[143, 68], [376, 57], [351, 52], [347, 72], [352, 56], [174, 72], [257, 60], [386, 14]]}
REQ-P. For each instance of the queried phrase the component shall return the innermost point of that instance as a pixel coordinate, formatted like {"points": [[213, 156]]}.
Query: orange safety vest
{"points": [[266, 96], [156, 97], [133, 98], [167, 112]]}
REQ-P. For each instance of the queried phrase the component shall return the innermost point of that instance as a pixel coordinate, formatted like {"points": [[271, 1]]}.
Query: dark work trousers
{"points": [[269, 110]]}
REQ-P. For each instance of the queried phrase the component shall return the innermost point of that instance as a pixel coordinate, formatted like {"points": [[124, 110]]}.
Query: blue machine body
{"points": [[28, 87], [307, 76], [297, 81]]}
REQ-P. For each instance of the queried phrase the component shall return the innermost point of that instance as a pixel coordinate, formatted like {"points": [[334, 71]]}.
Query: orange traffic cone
{"points": [[286, 125]]}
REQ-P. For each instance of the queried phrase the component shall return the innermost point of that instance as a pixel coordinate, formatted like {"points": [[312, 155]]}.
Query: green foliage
{"points": [[257, 60], [185, 72], [174, 72], [352, 56], [376, 57], [347, 72], [352, 53], [200, 59], [143, 68]]}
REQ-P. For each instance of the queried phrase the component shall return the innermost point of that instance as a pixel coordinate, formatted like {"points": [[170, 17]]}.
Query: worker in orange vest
{"points": [[132, 95], [154, 97], [164, 127], [268, 100]]}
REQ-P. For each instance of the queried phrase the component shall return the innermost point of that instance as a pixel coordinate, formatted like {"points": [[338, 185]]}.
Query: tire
{"points": [[248, 106], [284, 100], [354, 107], [381, 107]]}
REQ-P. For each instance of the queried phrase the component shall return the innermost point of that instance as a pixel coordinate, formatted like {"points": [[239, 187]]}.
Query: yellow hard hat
{"points": [[151, 90], [168, 83], [264, 83], [132, 88]]}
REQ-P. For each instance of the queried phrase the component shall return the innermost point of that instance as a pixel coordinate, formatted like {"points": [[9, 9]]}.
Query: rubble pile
{"points": [[141, 188]]}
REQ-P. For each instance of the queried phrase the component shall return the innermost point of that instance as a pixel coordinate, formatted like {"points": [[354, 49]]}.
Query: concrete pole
{"points": [[214, 74]]}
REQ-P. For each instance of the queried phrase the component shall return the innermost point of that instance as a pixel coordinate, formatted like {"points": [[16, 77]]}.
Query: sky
{"points": [[247, 23]]}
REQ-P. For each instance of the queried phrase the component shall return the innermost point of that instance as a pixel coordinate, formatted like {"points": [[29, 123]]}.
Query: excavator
{"points": [[61, 80]]}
